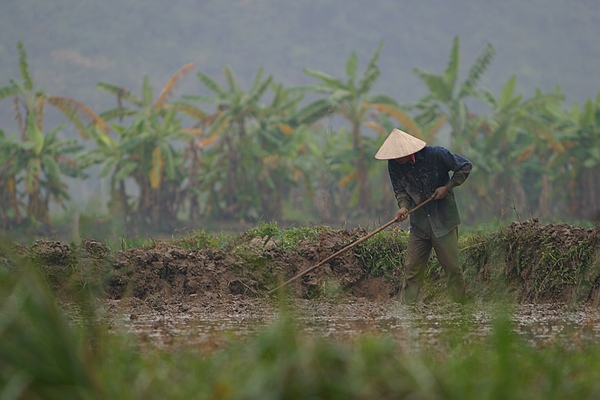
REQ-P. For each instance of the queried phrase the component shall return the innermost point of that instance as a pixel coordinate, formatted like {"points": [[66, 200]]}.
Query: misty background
{"points": [[72, 45]]}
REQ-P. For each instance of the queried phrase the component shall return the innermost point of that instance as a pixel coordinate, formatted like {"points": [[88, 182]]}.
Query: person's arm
{"points": [[460, 167]]}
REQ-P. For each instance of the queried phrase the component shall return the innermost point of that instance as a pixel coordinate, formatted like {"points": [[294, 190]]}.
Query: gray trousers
{"points": [[415, 265]]}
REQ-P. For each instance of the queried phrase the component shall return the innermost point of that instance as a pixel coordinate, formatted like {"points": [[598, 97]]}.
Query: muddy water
{"points": [[214, 324]]}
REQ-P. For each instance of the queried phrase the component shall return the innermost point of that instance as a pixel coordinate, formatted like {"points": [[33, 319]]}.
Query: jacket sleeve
{"points": [[460, 167]]}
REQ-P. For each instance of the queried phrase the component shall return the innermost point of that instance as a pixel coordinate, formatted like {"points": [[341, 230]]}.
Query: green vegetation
{"points": [[287, 238], [45, 354], [170, 162], [382, 254], [35, 165], [145, 153], [353, 101], [527, 262], [266, 150]]}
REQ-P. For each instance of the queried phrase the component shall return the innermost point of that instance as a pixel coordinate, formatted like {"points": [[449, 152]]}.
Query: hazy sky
{"points": [[73, 44]]}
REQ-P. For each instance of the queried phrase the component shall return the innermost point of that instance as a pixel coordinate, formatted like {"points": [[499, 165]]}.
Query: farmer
{"points": [[418, 172]]}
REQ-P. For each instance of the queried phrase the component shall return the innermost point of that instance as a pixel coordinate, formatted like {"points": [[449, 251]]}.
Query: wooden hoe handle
{"points": [[345, 249]]}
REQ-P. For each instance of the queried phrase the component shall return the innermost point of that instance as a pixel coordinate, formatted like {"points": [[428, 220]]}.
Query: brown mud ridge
{"points": [[547, 263], [529, 261]]}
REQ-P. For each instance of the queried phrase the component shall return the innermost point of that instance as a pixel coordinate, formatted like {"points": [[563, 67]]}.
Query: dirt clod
{"points": [[537, 263]]}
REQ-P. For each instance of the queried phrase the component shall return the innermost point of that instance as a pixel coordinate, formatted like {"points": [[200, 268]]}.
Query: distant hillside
{"points": [[73, 44]]}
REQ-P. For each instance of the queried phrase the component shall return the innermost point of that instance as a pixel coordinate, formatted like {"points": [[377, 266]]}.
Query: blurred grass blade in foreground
{"points": [[39, 354]]}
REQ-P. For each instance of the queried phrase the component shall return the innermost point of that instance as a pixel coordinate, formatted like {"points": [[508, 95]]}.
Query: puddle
{"points": [[211, 326]]}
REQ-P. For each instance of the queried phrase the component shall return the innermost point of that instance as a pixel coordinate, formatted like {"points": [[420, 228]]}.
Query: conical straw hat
{"points": [[399, 144]]}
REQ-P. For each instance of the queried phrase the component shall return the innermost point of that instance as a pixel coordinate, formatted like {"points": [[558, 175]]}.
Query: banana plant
{"points": [[144, 151], [227, 169], [352, 99], [332, 174], [447, 96], [518, 140], [10, 212], [584, 139], [33, 173], [30, 100], [279, 139], [273, 157], [112, 160], [579, 166], [36, 161]]}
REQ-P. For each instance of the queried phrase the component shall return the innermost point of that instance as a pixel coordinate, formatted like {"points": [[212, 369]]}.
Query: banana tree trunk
{"points": [[590, 193], [123, 199], [232, 167], [544, 203], [362, 175]]}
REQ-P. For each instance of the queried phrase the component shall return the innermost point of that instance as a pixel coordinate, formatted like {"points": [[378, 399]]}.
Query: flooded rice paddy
{"points": [[213, 325]]}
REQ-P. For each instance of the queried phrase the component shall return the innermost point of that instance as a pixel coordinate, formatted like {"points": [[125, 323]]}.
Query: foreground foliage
{"points": [[45, 355]]}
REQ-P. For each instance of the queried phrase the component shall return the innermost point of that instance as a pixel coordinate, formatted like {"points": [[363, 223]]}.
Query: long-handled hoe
{"points": [[345, 249]]}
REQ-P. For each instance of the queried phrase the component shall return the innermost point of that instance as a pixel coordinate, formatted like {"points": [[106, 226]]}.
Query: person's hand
{"points": [[440, 193], [401, 214]]}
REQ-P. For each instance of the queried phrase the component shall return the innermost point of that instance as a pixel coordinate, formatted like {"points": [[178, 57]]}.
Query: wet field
{"points": [[211, 325]]}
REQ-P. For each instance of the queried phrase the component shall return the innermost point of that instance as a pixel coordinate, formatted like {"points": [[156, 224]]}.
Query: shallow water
{"points": [[213, 325]]}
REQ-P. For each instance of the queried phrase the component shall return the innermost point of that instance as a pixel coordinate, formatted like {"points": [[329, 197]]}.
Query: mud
{"points": [[249, 269], [552, 263], [532, 263], [211, 327], [174, 291]]}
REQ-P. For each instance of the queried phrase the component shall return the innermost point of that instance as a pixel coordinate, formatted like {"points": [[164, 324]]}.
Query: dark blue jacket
{"points": [[414, 183]]}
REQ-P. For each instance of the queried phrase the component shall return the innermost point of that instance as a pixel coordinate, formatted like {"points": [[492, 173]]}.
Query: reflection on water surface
{"points": [[213, 325]]}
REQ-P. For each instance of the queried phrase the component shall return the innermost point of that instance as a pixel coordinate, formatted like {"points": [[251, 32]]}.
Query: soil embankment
{"points": [[532, 262]]}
